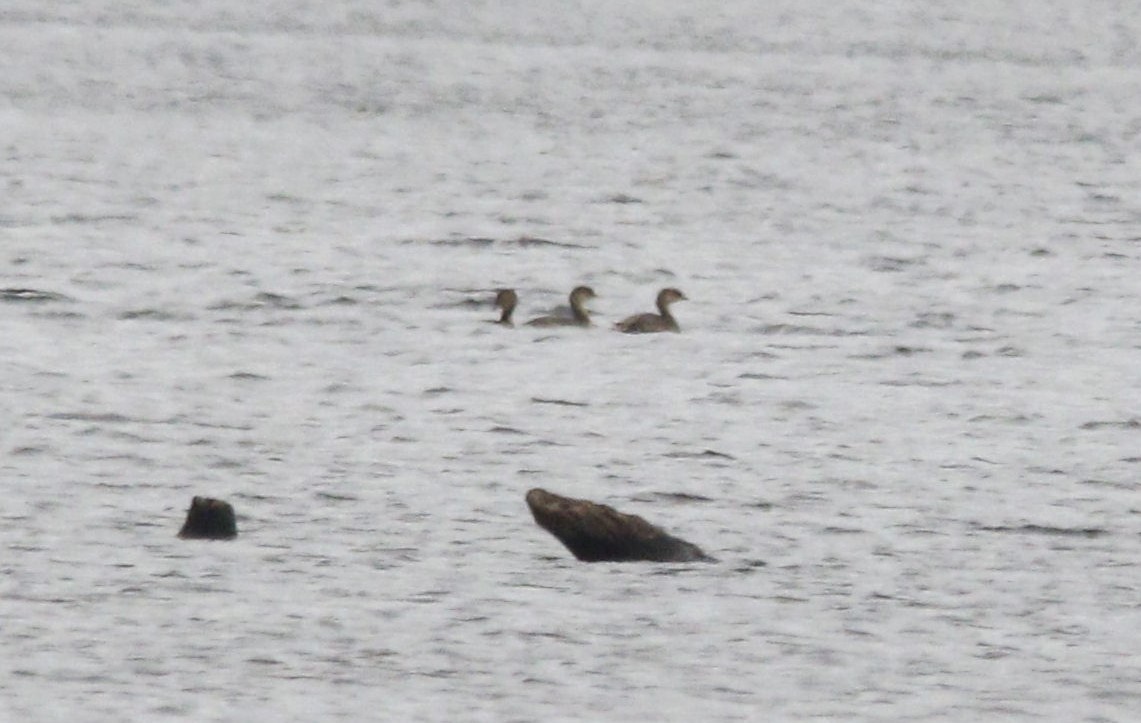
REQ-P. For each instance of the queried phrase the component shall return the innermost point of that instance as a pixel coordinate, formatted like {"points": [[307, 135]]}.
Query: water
{"points": [[903, 411]]}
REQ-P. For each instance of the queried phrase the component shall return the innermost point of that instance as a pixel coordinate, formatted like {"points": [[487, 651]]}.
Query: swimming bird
{"points": [[650, 323], [506, 299], [579, 315]]}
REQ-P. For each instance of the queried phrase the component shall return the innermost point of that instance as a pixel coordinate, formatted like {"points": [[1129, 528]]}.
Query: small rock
{"points": [[209, 519]]}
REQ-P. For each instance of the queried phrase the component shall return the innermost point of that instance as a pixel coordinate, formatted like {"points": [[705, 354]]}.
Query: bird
{"points": [[650, 323], [579, 315], [506, 299]]}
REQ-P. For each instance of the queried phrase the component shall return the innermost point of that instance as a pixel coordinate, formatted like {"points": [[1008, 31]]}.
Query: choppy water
{"points": [[258, 247]]}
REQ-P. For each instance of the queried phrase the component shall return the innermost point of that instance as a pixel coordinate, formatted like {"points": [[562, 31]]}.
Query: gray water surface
{"points": [[250, 252]]}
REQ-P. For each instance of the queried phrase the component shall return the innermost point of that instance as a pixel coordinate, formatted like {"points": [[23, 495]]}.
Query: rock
{"points": [[209, 519], [597, 533]]}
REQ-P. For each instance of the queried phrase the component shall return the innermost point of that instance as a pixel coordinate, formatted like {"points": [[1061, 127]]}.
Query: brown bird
{"points": [[506, 299], [579, 315], [650, 323]]}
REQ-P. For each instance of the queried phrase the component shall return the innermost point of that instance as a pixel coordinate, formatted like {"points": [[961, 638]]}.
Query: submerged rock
{"points": [[31, 295], [209, 519], [598, 533]]}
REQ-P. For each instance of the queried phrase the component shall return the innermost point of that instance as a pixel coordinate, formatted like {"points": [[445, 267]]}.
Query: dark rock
{"points": [[597, 533], [209, 519]]}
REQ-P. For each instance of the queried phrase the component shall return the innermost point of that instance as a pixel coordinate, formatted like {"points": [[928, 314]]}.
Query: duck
{"points": [[650, 323], [579, 316], [506, 299]]}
